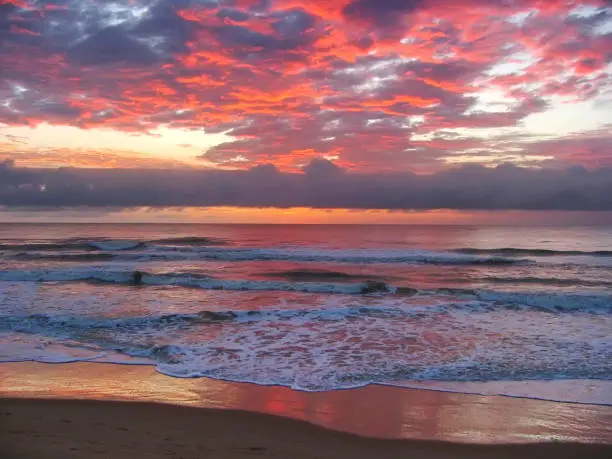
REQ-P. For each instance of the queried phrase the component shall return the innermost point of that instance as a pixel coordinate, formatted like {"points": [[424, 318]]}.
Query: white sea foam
{"points": [[19, 347], [343, 347]]}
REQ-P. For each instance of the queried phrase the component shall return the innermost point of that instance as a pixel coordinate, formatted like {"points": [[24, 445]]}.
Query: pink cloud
{"points": [[293, 80]]}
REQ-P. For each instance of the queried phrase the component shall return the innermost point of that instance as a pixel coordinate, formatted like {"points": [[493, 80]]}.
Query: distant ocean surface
{"points": [[519, 311]]}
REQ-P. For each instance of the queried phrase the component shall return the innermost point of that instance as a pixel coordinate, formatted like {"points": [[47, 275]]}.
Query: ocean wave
{"points": [[310, 275], [193, 280], [358, 256], [73, 244], [106, 244], [474, 300], [184, 248], [394, 311], [41, 322], [189, 241], [96, 255], [517, 252], [47, 246], [176, 253], [196, 247], [491, 300], [558, 282], [115, 245], [554, 301], [304, 362], [68, 257]]}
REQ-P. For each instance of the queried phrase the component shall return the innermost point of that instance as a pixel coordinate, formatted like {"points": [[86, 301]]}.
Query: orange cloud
{"points": [[296, 79]]}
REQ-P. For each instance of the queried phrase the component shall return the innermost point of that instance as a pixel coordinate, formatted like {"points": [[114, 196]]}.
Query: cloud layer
{"points": [[321, 184], [376, 85]]}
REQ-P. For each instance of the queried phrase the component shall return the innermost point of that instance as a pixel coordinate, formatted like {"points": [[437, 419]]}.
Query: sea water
{"points": [[519, 311]]}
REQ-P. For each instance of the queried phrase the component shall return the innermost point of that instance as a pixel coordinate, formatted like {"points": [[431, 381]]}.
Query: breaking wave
{"points": [[130, 250], [72, 257], [311, 275], [189, 240], [334, 348], [547, 281], [192, 280], [553, 302], [105, 244], [358, 256], [516, 252]]}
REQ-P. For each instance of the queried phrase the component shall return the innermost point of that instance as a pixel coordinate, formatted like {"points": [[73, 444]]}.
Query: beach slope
{"points": [[56, 429]]}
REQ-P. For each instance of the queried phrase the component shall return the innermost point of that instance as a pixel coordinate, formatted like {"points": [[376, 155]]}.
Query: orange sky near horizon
{"points": [[300, 216]]}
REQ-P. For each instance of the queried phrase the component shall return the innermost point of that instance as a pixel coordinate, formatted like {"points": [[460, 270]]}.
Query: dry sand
{"points": [[54, 429]]}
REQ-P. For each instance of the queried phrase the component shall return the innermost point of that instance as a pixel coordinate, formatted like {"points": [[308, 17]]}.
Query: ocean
{"points": [[516, 311]]}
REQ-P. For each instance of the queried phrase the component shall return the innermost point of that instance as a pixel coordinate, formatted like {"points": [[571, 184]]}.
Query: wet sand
{"points": [[54, 429], [79, 410]]}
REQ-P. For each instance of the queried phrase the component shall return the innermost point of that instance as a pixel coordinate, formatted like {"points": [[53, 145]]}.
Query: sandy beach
{"points": [[82, 410], [89, 429]]}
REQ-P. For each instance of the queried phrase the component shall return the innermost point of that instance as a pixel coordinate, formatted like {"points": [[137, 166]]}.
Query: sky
{"points": [[303, 111]]}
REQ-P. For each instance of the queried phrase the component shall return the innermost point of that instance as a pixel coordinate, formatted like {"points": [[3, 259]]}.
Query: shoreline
{"points": [[383, 412], [50, 429]]}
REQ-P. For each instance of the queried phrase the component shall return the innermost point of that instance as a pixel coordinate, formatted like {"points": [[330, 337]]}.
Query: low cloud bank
{"points": [[321, 184]]}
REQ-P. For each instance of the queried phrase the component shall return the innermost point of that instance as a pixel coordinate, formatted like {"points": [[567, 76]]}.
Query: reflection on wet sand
{"points": [[372, 411]]}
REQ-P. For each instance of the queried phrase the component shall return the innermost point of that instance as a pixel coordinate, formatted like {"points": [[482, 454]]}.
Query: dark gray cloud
{"points": [[293, 23], [134, 32], [383, 13], [164, 26], [593, 149], [111, 45], [322, 185], [5, 23], [293, 30]]}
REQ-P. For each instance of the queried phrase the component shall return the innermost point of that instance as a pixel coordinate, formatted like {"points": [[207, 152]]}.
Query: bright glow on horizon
{"points": [[166, 143], [305, 216]]}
